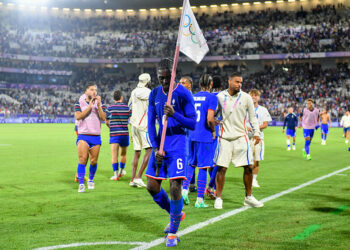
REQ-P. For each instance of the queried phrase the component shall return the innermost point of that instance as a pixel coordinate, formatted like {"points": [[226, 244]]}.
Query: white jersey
{"points": [[263, 115], [345, 121], [138, 103], [234, 110]]}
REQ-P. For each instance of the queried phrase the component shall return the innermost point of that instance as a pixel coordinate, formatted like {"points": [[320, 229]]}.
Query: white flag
{"points": [[192, 43]]}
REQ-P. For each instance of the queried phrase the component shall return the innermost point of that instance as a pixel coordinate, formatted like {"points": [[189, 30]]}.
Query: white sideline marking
{"points": [[91, 244], [190, 229], [200, 225]]}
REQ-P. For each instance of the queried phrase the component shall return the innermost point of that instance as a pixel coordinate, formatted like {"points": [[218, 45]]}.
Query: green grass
{"points": [[40, 205]]}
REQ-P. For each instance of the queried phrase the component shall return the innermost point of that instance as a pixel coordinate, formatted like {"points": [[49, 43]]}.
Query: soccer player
{"points": [[325, 124], [138, 104], [89, 113], [202, 140], [234, 146], [309, 119], [118, 116], [181, 114], [264, 117], [187, 82], [291, 120], [345, 123]]}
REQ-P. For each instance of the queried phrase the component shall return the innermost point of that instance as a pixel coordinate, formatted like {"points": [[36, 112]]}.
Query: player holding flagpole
{"points": [[89, 113], [325, 125], [309, 119], [234, 146], [291, 120]]}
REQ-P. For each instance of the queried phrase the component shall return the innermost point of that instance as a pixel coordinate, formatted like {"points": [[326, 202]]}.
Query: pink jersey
{"points": [[310, 118], [91, 125]]}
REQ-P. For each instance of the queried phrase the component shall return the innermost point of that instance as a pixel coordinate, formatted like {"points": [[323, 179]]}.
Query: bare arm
{"points": [[101, 113], [264, 125], [80, 115], [211, 122]]}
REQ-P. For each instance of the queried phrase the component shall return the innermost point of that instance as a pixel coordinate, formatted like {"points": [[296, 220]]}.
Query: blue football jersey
{"points": [[184, 117], [203, 101]]}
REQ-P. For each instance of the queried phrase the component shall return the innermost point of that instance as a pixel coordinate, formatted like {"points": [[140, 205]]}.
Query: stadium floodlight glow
{"points": [[54, 9], [0, 3], [120, 10], [98, 10], [279, 1], [162, 9], [142, 10], [66, 9], [257, 3], [10, 4], [246, 3], [76, 10], [109, 11], [234, 4], [213, 6], [153, 10], [291, 1], [87, 10], [203, 6], [129, 10], [302, 0], [172, 8], [268, 2], [193, 7], [224, 5]]}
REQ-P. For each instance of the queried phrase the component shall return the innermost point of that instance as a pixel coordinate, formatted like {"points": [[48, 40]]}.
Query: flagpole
{"points": [[172, 82]]}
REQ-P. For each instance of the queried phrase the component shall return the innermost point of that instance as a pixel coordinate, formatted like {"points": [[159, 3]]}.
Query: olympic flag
{"points": [[192, 42]]}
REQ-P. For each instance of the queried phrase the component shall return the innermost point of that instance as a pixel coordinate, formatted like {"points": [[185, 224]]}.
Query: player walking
{"points": [[325, 125], [89, 113], [345, 123], [291, 120], [234, 146]]}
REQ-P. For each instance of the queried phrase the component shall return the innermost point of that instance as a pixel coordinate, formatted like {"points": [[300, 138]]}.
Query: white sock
{"points": [[200, 200], [288, 143], [116, 173], [254, 177], [248, 196]]}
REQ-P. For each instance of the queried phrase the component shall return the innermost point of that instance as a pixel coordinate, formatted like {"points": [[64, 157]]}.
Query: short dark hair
{"points": [[188, 78], [89, 84], [205, 80], [217, 82], [117, 95], [165, 63], [235, 74]]}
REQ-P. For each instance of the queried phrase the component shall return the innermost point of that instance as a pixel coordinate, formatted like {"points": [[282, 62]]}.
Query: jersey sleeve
{"points": [[267, 116], [104, 107], [77, 107], [108, 113], [152, 132], [188, 120], [213, 103]]}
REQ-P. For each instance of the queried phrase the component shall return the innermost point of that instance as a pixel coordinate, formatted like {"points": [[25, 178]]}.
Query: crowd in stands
{"points": [[282, 86], [270, 31]]}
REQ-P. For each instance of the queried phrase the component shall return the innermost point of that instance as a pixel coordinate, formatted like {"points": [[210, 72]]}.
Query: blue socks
{"points": [[322, 137], [193, 179], [307, 146], [162, 200], [122, 165], [186, 183], [81, 173], [212, 183], [201, 182], [175, 215], [325, 137], [92, 172], [115, 166]]}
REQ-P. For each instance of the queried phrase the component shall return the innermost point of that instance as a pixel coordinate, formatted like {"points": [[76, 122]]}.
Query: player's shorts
{"points": [[76, 129], [291, 132], [308, 133], [324, 129], [215, 145], [346, 129], [202, 154], [140, 139], [236, 151], [91, 140], [258, 150], [173, 167], [122, 140]]}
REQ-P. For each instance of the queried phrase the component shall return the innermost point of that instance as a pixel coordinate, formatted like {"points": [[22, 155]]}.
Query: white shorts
{"points": [[237, 151], [258, 150], [140, 139]]}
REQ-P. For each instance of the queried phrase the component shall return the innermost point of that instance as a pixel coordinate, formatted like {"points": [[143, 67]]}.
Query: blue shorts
{"points": [[291, 132], [308, 133], [346, 129], [173, 167], [202, 154], [122, 140], [324, 129], [91, 140]]}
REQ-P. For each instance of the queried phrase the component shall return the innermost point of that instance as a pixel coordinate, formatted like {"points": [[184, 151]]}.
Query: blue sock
{"points": [[293, 143], [307, 146], [162, 200], [122, 165], [193, 179], [325, 137], [81, 173], [212, 183], [175, 215], [92, 171], [201, 182], [115, 166], [186, 183]]}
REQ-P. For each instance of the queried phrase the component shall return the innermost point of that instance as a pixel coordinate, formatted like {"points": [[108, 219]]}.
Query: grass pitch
{"points": [[40, 205]]}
